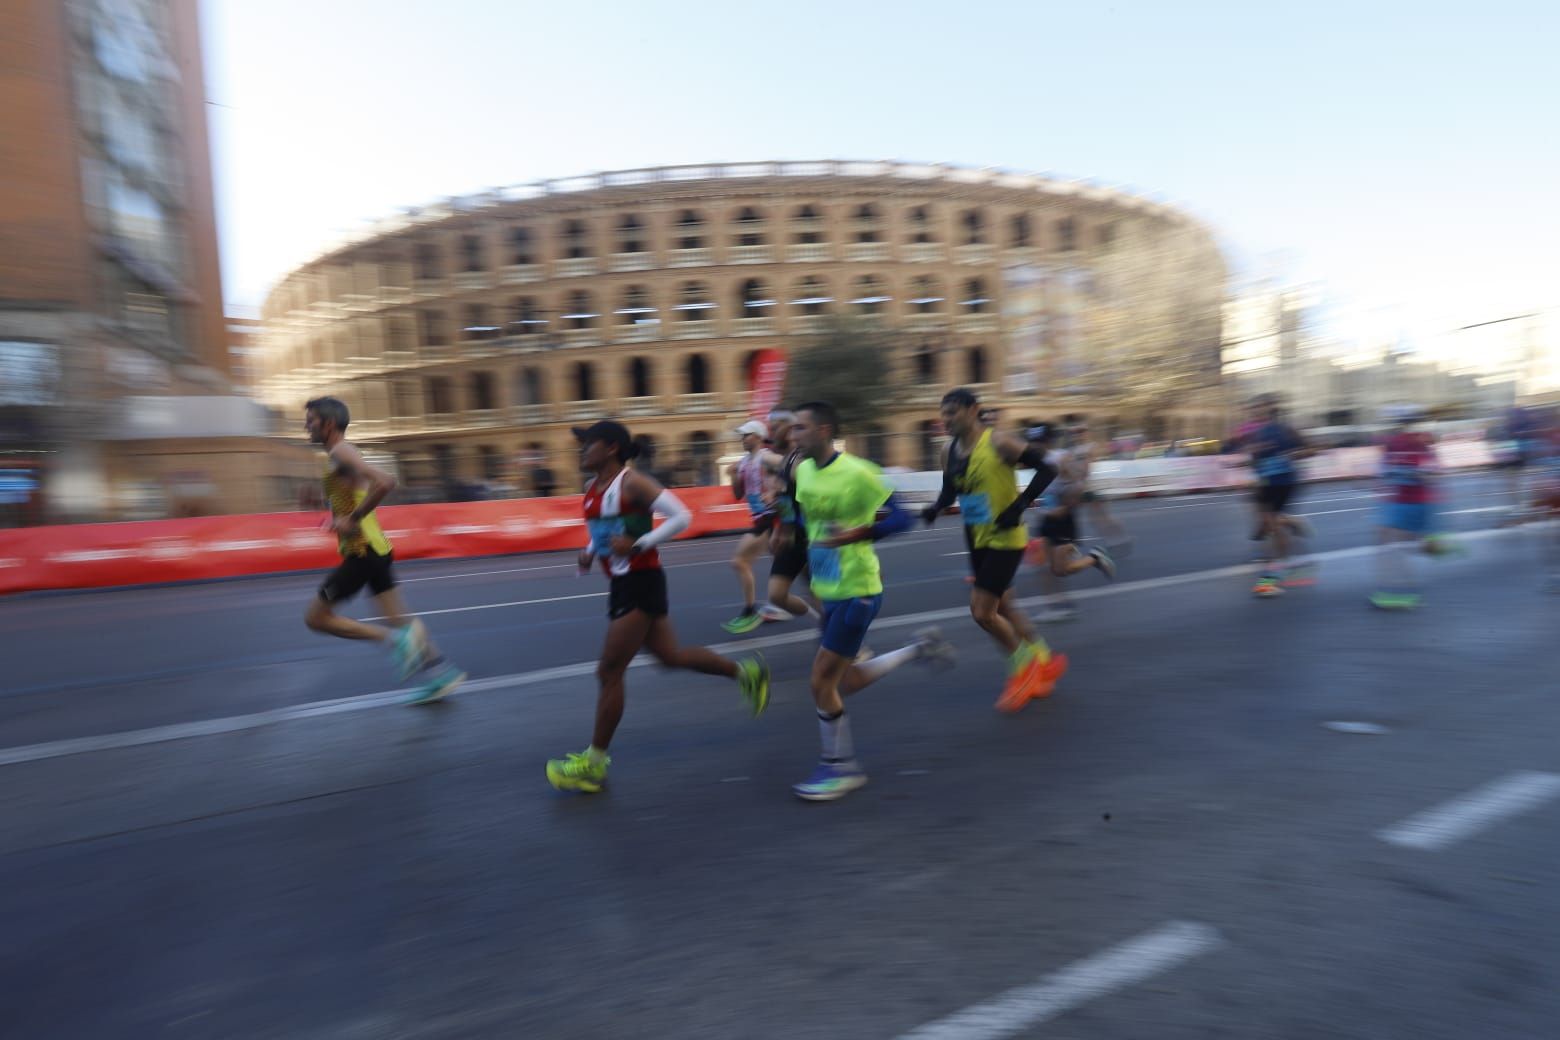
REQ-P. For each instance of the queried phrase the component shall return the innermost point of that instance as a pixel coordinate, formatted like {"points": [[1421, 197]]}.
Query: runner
{"points": [[1251, 422], [840, 498], [1084, 450], [353, 489], [788, 540], [747, 485], [1546, 496], [1276, 449], [1057, 529], [983, 467], [1407, 470], [620, 504]]}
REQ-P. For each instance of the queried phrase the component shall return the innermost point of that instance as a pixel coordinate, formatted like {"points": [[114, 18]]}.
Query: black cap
{"points": [[609, 431]]}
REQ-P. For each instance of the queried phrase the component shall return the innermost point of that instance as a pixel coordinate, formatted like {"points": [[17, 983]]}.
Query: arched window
{"points": [[471, 252], [576, 239], [697, 371], [925, 363], [753, 299], [635, 307], [750, 227], [427, 259], [921, 228], [584, 381], [639, 377], [483, 397], [977, 364], [809, 226], [441, 396], [975, 301], [974, 222], [869, 295], [690, 229], [811, 296], [866, 221], [630, 234], [529, 388], [524, 317], [1066, 234], [926, 295], [693, 302], [581, 314], [1020, 236], [520, 247]]}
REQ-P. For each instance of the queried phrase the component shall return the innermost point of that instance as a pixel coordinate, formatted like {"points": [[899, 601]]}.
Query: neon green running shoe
{"points": [[743, 623], [576, 772], [1394, 601], [753, 678]]}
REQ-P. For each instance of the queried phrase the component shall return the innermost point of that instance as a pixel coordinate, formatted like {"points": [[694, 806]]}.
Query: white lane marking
{"points": [[496, 606], [1479, 509], [805, 634], [1452, 821], [1335, 512], [1362, 728], [1120, 966], [484, 574], [961, 552]]}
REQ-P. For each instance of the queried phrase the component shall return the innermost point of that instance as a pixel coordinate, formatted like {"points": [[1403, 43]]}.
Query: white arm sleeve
{"points": [[677, 520]]}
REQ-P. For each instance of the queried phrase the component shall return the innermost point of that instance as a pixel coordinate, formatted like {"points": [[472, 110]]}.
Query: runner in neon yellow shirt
{"points": [[840, 498]]}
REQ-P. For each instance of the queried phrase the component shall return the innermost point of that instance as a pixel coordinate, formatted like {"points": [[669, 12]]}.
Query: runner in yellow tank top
{"points": [[982, 472], [353, 489]]}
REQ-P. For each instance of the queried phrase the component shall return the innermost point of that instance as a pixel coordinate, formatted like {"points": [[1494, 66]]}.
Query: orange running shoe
{"points": [[1050, 673]]}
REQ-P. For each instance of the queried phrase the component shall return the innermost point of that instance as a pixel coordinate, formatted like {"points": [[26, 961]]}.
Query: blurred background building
{"points": [[117, 395], [468, 336]]}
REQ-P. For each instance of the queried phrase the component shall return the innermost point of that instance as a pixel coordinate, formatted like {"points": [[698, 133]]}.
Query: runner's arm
{"points": [[1034, 458], [649, 491], [896, 519], [350, 462]]}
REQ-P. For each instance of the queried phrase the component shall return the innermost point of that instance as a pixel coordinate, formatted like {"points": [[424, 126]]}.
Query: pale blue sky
{"points": [[1406, 153]]}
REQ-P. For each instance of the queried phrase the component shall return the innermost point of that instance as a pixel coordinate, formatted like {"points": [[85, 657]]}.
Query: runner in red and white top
{"points": [[620, 507], [747, 486]]}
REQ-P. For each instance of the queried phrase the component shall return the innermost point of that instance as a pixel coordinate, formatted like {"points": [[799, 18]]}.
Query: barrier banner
{"points": [[155, 551]]}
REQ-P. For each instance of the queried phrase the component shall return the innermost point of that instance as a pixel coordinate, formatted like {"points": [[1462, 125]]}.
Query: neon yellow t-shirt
{"points": [[989, 486], [844, 493]]}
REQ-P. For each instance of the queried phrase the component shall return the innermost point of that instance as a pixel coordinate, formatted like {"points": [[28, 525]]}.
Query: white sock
{"points": [[879, 666], [834, 736]]}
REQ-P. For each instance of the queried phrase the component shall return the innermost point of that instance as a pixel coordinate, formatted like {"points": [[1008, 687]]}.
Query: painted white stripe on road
{"points": [[1134, 961], [495, 606], [1461, 817], [804, 634]]}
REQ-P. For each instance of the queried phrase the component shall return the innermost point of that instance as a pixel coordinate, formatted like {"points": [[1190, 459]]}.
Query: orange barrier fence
{"points": [[152, 551]]}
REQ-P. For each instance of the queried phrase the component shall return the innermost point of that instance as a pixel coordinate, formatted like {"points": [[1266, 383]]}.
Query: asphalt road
{"points": [[218, 824]]}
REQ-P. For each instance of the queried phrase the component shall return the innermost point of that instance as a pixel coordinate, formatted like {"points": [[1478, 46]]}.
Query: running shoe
{"points": [[1439, 545], [1103, 561], [1036, 679], [936, 652], [1050, 673], [753, 678], [829, 781], [1299, 576], [576, 772], [438, 686], [1267, 587], [1394, 600], [744, 622], [866, 653], [410, 648], [770, 612]]}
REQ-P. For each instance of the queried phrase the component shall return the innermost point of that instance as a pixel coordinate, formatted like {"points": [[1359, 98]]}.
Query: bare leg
{"points": [[661, 641], [985, 608], [748, 550], [624, 638], [780, 595], [322, 617]]}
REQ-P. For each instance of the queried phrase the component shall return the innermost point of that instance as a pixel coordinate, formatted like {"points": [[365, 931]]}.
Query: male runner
{"points": [[747, 485], [1057, 528], [983, 468], [1276, 448], [353, 489], [620, 504], [1407, 470], [1084, 450], [840, 497], [788, 540]]}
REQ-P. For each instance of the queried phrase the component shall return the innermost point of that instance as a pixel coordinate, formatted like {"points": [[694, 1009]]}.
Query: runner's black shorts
{"points": [[354, 572], [791, 561], [994, 569], [1274, 497], [638, 590], [763, 523], [1059, 528]]}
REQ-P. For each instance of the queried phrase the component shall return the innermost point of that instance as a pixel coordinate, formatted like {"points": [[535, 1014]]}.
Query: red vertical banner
{"points": [[766, 382]]}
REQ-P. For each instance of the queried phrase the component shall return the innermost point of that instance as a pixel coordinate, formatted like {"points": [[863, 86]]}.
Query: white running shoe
{"points": [[936, 652], [1103, 561], [770, 612]]}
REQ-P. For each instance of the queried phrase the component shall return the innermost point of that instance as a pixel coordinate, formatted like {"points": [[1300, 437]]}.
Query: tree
{"points": [[850, 362]]}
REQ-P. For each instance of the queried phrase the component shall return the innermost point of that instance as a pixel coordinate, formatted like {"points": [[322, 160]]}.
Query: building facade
{"points": [[468, 337], [111, 323]]}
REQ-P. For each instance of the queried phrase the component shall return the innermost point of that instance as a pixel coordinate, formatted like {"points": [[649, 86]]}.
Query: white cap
{"points": [[754, 427]]}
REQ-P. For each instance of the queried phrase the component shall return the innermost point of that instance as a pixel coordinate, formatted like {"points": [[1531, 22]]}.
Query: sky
{"points": [[1403, 155]]}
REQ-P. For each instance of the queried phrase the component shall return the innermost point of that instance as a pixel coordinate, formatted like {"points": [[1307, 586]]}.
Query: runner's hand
{"points": [[1008, 519], [345, 525], [622, 545], [929, 515]]}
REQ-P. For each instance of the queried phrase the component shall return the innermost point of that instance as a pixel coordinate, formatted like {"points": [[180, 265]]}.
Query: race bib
{"points": [[824, 563], [602, 530], [975, 507]]}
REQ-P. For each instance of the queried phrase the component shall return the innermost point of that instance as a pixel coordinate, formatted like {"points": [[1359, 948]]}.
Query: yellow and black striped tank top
{"points": [[343, 499]]}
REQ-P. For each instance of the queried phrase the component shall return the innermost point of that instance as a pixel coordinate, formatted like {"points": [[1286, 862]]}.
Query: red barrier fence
{"points": [[99, 555]]}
